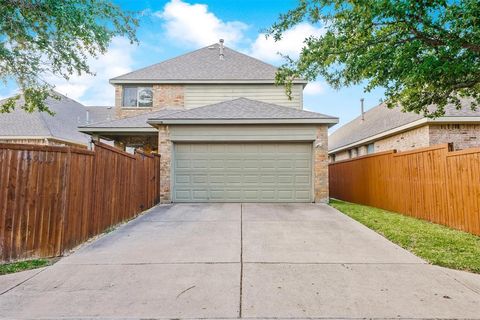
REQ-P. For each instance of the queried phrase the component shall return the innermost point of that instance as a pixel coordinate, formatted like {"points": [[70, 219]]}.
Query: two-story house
{"points": [[224, 130]]}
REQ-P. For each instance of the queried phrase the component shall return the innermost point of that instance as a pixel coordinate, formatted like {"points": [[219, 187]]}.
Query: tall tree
{"points": [[44, 37], [423, 52]]}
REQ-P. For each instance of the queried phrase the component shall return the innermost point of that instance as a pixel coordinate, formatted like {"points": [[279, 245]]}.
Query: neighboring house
{"points": [[19, 126], [382, 129], [224, 130]]}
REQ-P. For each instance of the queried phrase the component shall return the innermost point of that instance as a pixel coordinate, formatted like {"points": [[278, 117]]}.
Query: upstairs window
{"points": [[141, 97]]}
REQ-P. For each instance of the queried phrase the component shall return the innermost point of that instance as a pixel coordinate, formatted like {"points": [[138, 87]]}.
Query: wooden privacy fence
{"points": [[433, 184], [54, 198]]}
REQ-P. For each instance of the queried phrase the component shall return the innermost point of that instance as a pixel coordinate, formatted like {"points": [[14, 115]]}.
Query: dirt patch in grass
{"points": [[435, 243]]}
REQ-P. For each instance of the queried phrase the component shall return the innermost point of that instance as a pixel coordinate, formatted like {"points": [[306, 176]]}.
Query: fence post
{"points": [[65, 198]]}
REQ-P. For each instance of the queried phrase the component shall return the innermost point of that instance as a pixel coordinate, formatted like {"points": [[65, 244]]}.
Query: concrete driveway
{"points": [[232, 260]]}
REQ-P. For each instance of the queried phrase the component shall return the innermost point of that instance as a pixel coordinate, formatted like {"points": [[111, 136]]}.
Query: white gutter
{"points": [[406, 127], [113, 129], [42, 138], [330, 121], [153, 81]]}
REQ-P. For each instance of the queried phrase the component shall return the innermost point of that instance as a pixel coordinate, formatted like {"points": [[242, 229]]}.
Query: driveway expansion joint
{"points": [[241, 262], [148, 263], [461, 282], [22, 282]]}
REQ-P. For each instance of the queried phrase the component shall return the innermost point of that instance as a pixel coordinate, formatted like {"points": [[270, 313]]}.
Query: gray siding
{"points": [[243, 133], [197, 95]]}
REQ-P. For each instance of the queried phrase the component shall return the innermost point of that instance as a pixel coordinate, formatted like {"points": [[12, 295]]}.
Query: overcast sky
{"points": [[170, 28]]}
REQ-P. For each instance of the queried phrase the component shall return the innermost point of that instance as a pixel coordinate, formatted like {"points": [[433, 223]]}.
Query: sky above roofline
{"points": [[170, 28]]}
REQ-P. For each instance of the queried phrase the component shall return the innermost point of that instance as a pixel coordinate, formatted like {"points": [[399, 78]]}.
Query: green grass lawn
{"points": [[23, 265], [436, 244]]}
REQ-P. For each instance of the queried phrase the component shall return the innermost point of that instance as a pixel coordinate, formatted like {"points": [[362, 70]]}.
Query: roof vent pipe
{"points": [[221, 55], [362, 110], [87, 117]]}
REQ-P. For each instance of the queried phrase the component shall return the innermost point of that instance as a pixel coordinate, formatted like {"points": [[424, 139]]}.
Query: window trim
{"points": [[138, 88]]}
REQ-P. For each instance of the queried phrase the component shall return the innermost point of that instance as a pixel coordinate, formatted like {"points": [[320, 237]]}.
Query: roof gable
{"points": [[204, 65], [243, 109]]}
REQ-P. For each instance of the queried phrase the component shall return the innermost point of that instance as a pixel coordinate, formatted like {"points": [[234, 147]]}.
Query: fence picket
{"points": [[434, 184], [54, 198]]}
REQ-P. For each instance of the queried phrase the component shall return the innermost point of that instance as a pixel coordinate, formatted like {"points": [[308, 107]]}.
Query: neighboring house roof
{"points": [[63, 125], [204, 66], [100, 113], [243, 110], [127, 124], [381, 121]]}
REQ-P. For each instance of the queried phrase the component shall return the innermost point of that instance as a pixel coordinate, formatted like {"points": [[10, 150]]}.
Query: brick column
{"points": [[321, 165], [165, 149], [118, 100]]}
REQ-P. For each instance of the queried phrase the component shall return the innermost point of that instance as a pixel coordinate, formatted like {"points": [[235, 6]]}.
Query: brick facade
{"points": [[462, 136], [320, 156], [165, 96], [408, 140], [165, 149]]}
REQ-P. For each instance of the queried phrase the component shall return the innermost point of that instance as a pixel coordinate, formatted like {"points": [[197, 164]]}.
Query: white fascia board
{"points": [[25, 137], [153, 81], [459, 119], [41, 138], [329, 121], [113, 129]]}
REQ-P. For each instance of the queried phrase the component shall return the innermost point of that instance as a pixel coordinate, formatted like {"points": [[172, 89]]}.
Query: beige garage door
{"points": [[242, 172]]}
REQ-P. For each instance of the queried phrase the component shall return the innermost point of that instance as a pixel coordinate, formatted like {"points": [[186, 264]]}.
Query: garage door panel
{"points": [[302, 164], [302, 180], [254, 172], [200, 195], [182, 164], [302, 195], [200, 179], [182, 179], [182, 195], [268, 195]]}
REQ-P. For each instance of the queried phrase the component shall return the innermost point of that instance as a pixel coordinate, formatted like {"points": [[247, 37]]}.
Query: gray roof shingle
{"points": [[381, 119], [204, 65], [63, 125], [137, 121], [244, 109], [100, 113]]}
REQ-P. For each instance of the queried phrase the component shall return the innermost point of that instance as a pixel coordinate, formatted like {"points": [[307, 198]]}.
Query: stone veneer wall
{"points": [[462, 136], [320, 156], [164, 96]]}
